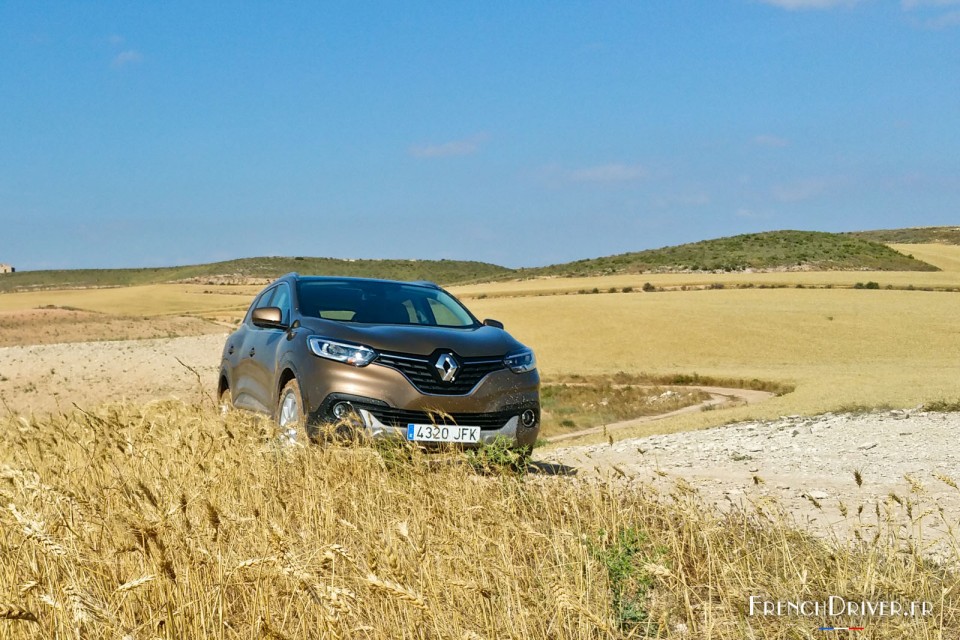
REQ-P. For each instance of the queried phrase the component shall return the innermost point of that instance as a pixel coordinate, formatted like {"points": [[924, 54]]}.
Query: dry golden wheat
{"points": [[14, 612], [398, 591], [136, 583]]}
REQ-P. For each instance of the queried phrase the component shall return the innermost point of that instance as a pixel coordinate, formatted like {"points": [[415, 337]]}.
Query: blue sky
{"points": [[521, 133]]}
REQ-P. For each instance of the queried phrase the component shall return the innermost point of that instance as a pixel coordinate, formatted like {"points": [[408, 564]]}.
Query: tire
{"points": [[225, 402], [290, 416]]}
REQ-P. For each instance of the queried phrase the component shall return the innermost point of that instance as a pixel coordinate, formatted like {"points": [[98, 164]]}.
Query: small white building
{"points": [[6, 268]]}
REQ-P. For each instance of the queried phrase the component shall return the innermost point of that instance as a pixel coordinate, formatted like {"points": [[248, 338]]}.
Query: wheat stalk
{"points": [[34, 530], [13, 612], [398, 591], [566, 601], [255, 562], [135, 584], [85, 607]]}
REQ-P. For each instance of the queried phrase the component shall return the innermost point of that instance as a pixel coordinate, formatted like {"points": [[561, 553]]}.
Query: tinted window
{"points": [[262, 301], [381, 303], [282, 299]]}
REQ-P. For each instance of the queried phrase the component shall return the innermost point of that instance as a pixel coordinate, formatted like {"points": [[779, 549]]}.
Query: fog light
{"points": [[528, 418], [342, 410]]}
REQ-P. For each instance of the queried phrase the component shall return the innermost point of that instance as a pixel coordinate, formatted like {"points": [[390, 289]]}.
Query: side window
{"points": [[262, 301], [282, 299], [266, 299]]}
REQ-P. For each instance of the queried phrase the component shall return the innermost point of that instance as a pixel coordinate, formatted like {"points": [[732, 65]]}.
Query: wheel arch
{"points": [[223, 384], [286, 375]]}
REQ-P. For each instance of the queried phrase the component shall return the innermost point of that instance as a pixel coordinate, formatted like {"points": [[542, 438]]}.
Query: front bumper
{"points": [[380, 420], [387, 401]]}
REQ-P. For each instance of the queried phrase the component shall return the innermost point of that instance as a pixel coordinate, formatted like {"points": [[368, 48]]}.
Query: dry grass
{"points": [[172, 522], [52, 326], [585, 403], [944, 256], [146, 300], [675, 282], [837, 347]]}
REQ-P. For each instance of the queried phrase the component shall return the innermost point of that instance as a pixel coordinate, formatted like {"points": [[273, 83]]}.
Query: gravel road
{"points": [[806, 464]]}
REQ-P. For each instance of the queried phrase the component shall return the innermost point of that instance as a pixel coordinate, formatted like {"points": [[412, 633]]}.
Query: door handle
{"points": [[252, 351], [230, 350]]}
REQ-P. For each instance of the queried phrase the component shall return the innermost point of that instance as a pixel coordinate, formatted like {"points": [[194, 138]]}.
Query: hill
{"points": [[773, 250], [799, 250], [912, 235], [248, 270]]}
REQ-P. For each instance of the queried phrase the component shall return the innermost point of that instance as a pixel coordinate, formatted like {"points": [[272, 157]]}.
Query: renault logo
{"points": [[447, 367]]}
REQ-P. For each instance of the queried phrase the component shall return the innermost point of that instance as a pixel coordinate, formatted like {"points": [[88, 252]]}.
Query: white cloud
{"points": [[800, 190], [914, 4], [751, 214], [608, 173], [770, 141], [116, 40], [944, 21], [464, 147], [684, 200], [125, 58], [937, 13], [795, 5]]}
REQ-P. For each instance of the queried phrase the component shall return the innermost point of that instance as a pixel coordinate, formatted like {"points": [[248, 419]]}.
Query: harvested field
{"points": [[49, 326], [838, 347], [944, 256], [146, 300]]}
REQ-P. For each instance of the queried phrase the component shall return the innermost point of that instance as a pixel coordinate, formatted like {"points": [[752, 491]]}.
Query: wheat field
{"points": [[171, 521]]}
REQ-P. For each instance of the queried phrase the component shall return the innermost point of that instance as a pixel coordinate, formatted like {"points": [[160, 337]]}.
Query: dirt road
{"points": [[54, 377], [908, 461], [718, 396]]}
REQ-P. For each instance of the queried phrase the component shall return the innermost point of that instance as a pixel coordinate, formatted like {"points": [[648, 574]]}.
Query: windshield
{"points": [[375, 302]]}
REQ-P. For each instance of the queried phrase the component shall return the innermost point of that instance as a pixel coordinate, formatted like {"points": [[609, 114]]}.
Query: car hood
{"points": [[415, 339]]}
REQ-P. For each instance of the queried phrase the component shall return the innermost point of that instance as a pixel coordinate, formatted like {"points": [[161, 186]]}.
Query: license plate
{"points": [[442, 433]]}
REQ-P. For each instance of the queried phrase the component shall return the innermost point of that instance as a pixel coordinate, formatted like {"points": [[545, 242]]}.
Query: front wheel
{"points": [[226, 402], [290, 414]]}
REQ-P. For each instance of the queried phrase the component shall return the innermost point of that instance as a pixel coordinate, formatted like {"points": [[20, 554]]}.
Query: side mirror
{"points": [[490, 322], [268, 317]]}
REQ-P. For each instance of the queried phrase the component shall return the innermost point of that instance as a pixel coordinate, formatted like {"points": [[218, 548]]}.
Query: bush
{"points": [[648, 287]]}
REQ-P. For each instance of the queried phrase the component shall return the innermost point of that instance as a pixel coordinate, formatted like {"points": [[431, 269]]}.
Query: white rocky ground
{"points": [[802, 462]]}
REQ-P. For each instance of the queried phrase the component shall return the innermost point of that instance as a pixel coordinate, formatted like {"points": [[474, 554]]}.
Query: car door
{"points": [[249, 388], [264, 351]]}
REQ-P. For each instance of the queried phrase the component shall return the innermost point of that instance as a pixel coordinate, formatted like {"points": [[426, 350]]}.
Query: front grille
{"points": [[422, 373], [402, 417]]}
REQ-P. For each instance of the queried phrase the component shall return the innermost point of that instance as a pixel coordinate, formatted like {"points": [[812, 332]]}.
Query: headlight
{"points": [[521, 361], [355, 354]]}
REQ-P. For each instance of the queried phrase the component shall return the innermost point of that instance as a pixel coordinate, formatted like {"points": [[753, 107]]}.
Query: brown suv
{"points": [[394, 358]]}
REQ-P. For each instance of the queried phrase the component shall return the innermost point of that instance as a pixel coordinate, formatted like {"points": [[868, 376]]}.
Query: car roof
{"points": [[301, 278]]}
